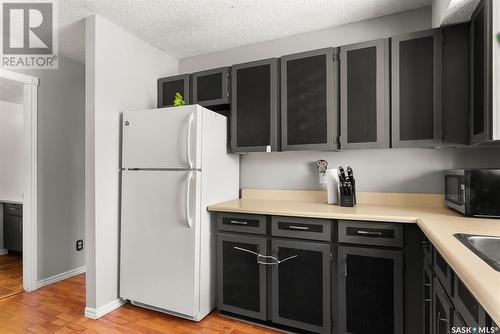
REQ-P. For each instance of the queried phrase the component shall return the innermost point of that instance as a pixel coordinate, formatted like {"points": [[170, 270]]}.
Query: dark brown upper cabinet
{"points": [[364, 95], [481, 121], [417, 89], [456, 84], [211, 87], [167, 87], [309, 100], [255, 106]]}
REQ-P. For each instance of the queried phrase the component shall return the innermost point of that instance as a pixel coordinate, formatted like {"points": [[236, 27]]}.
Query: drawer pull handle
{"points": [[12, 209], [369, 233], [236, 222], [442, 319], [301, 228], [427, 284], [427, 300]]}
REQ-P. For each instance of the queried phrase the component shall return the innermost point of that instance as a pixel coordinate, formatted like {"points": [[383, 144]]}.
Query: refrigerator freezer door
{"points": [[159, 250], [166, 138]]}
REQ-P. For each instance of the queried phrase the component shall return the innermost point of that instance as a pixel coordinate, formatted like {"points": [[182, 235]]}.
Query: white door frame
{"points": [[30, 224]]}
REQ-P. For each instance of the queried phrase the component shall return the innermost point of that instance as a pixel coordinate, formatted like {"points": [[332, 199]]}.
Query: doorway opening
{"points": [[18, 177]]}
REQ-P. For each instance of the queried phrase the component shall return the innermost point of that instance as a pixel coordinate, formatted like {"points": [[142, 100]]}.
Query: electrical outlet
{"points": [[79, 244]]}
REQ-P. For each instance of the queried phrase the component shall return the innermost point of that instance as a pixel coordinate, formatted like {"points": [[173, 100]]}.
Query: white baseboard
{"points": [[4, 251], [60, 277], [95, 314]]}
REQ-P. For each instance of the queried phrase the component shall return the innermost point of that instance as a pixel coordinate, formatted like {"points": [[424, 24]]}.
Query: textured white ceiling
{"points": [[460, 11], [192, 27]]}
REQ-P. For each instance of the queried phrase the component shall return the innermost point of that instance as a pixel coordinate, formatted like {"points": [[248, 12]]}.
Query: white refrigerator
{"points": [[175, 163]]}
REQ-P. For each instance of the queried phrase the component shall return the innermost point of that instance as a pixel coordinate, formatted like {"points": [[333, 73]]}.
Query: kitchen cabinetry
{"points": [[211, 88], [273, 274], [481, 73], [443, 272], [242, 277], [167, 87], [301, 285], [417, 89], [456, 84], [255, 121], [427, 302], [447, 301], [364, 95], [370, 290], [442, 309], [13, 227], [309, 100], [467, 306]]}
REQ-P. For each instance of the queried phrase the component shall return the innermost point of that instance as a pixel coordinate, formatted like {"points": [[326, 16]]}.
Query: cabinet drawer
{"points": [[302, 228], [240, 222], [13, 209], [368, 233], [443, 272]]}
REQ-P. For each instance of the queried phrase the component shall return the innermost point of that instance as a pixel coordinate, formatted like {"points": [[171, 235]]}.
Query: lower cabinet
{"points": [[13, 232], [442, 309], [370, 290], [301, 285], [242, 279], [428, 282], [448, 309]]}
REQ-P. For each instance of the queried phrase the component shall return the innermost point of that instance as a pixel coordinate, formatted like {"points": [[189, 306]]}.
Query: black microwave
{"points": [[474, 192]]}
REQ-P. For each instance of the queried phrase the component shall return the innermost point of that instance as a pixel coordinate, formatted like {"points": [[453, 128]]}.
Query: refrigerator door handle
{"points": [[188, 197], [190, 125]]}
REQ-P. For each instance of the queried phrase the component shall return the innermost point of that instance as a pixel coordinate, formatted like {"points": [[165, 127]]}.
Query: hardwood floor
{"points": [[11, 275], [58, 308]]}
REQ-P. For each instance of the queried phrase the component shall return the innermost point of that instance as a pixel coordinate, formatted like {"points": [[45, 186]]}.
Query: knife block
{"points": [[347, 200]]}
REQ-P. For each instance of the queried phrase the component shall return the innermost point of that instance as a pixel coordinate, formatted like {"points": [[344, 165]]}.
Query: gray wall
{"points": [[61, 163], [390, 170]]}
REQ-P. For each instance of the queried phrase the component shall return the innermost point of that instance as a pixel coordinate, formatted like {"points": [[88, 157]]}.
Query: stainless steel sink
{"points": [[486, 247]]}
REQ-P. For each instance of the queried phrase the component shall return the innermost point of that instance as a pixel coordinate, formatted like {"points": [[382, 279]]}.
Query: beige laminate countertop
{"points": [[438, 223]]}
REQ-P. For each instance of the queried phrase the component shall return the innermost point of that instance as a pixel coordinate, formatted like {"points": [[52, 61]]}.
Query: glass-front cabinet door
{"points": [[168, 87], [364, 95], [211, 87], [417, 89], [301, 285], [427, 289], [442, 309], [255, 106], [370, 290], [481, 64], [241, 278], [309, 100]]}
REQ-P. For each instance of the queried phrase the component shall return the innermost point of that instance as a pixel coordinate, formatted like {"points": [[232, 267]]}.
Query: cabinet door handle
{"points": [[246, 250], [236, 222], [369, 233], [275, 260], [301, 228]]}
